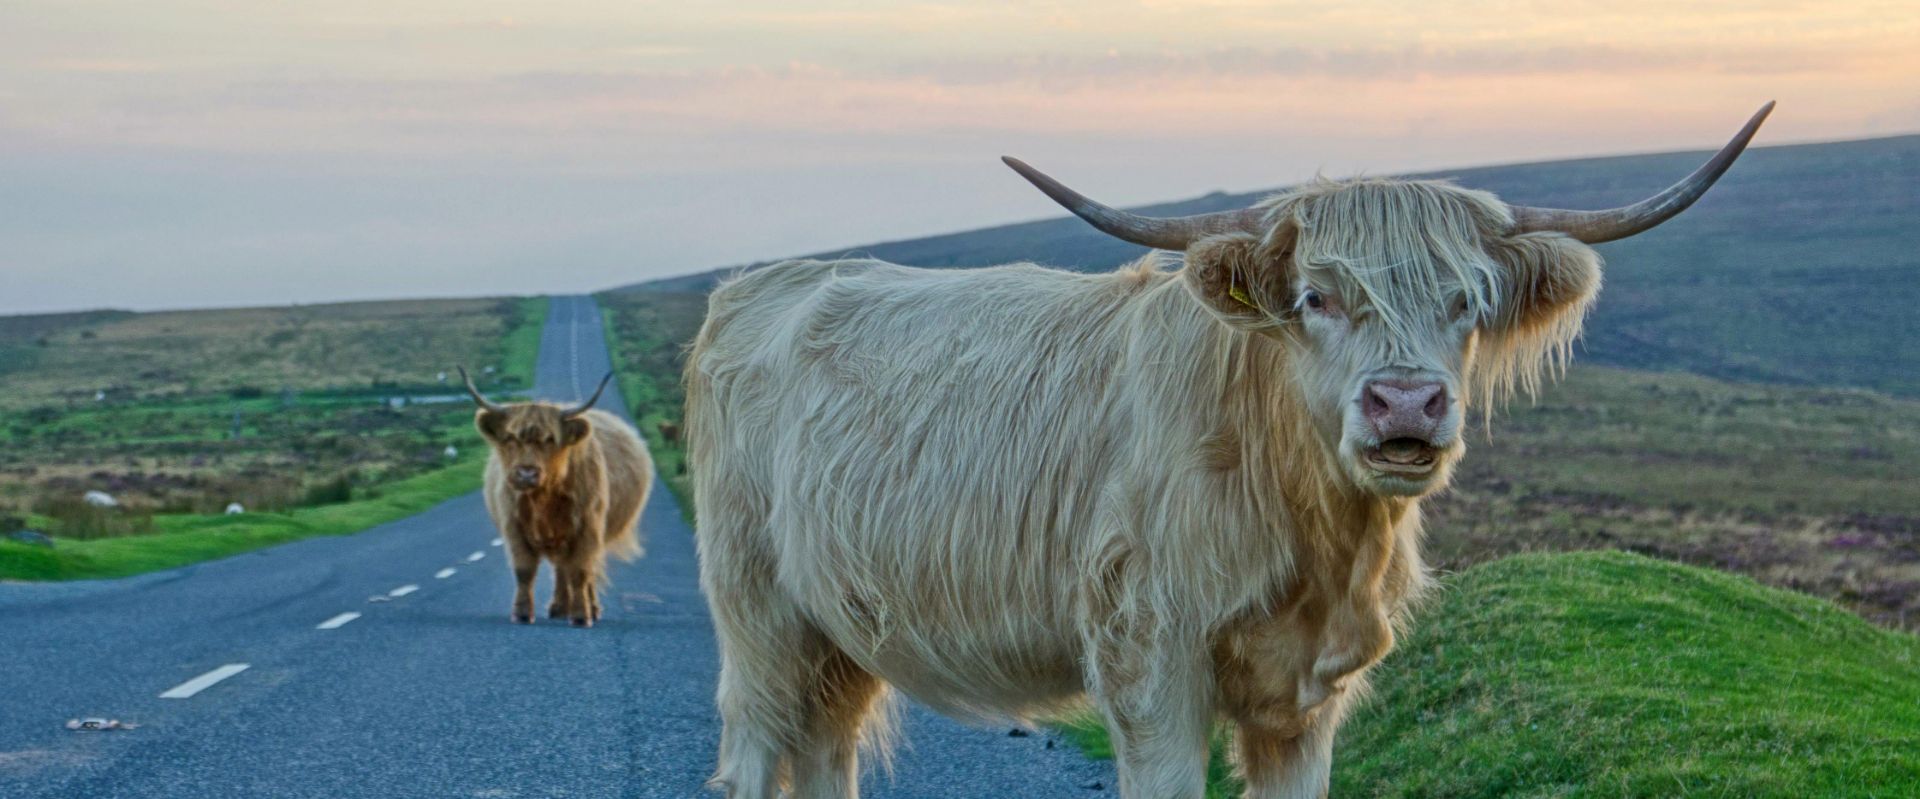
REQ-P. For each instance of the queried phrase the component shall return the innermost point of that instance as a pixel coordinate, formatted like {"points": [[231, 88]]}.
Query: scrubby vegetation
{"points": [[647, 334], [284, 411]]}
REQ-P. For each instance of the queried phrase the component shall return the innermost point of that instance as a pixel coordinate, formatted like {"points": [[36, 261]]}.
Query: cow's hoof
{"points": [[583, 622], [522, 618]]}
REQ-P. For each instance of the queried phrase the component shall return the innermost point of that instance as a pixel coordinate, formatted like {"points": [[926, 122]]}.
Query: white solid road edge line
{"points": [[443, 573], [476, 556], [337, 622], [403, 590], [187, 689]]}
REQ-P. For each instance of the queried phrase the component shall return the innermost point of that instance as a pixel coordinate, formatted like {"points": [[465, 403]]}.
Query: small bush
{"points": [[74, 518], [333, 491]]}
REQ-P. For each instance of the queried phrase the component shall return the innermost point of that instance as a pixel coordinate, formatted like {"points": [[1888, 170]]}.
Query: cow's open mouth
{"points": [[1403, 456]]}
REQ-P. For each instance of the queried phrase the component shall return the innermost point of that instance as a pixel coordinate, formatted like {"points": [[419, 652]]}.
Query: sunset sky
{"points": [[184, 153]]}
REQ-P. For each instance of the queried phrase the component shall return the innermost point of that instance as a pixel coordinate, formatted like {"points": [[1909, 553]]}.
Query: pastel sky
{"points": [[183, 153]]}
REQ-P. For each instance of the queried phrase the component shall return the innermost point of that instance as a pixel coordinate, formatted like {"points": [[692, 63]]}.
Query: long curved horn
{"points": [[590, 400], [1169, 233], [1594, 227], [478, 398]]}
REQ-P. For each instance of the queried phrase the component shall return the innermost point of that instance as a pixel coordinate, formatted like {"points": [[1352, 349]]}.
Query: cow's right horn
{"points": [[1168, 233], [1595, 227], [584, 406], [478, 398]]}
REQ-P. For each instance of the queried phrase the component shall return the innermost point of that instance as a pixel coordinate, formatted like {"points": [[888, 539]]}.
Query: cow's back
{"points": [[914, 457]]}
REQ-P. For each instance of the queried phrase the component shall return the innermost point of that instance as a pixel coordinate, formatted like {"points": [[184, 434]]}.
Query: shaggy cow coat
{"points": [[590, 479], [1003, 490]]}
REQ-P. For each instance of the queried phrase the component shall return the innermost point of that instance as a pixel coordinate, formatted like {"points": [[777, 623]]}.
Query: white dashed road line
{"points": [[498, 542], [443, 573], [476, 556], [337, 622], [187, 689], [403, 590]]}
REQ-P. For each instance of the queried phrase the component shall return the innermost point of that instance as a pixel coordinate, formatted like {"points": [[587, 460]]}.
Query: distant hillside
{"points": [[1802, 266]]}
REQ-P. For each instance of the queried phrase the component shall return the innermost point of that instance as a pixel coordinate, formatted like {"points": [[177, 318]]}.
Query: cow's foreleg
{"points": [[561, 606], [569, 574], [1159, 713], [582, 571], [1293, 764], [525, 566], [593, 572]]}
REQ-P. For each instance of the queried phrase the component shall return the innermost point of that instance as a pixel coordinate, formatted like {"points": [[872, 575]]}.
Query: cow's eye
{"points": [[1459, 308], [1312, 299]]}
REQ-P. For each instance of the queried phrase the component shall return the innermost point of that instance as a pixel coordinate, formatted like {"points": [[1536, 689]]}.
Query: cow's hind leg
{"points": [[758, 702], [795, 712], [561, 606]]}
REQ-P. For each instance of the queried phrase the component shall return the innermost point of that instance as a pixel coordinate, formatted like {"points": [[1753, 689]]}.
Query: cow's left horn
{"points": [[590, 400], [478, 398], [1171, 233], [1594, 227]]}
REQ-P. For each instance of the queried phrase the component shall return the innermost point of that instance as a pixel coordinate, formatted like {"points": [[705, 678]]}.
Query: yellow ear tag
{"points": [[1240, 295]]}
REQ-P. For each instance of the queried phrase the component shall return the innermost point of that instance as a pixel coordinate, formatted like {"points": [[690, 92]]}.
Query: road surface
{"points": [[274, 687]]}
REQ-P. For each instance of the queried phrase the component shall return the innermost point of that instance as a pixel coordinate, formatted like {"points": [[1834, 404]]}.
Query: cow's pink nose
{"points": [[1405, 409]]}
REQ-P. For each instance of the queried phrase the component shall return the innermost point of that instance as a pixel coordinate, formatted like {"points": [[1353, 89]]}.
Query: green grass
{"points": [[178, 440], [1611, 675], [182, 539], [646, 336], [521, 346]]}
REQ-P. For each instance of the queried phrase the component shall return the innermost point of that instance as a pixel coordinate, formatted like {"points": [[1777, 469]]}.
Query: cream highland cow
{"points": [[1187, 491]]}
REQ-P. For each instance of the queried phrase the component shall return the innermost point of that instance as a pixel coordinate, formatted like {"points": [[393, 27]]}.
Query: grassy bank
{"points": [[647, 334], [1611, 674], [323, 460], [181, 539]]}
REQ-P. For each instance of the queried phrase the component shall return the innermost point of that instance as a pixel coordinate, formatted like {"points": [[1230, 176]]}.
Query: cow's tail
{"points": [[625, 544], [627, 547]]}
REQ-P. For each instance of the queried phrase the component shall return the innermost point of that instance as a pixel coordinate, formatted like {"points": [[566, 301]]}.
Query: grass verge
{"points": [[646, 336], [1608, 674], [190, 538], [178, 539]]}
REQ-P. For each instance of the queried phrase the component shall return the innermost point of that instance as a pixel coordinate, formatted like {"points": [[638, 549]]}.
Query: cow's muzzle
{"points": [[1408, 419], [524, 477]]}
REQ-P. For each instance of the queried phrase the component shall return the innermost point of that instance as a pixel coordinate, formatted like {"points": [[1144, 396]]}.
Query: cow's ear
{"points": [[488, 422], [1549, 279], [1550, 282], [575, 430], [1245, 282]]}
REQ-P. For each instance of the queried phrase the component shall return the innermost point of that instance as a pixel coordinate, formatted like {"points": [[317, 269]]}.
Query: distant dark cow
{"points": [[669, 432], [567, 485]]}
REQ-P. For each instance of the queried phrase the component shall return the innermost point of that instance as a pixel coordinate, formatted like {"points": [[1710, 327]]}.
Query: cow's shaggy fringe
{"points": [[997, 489], [1344, 233]]}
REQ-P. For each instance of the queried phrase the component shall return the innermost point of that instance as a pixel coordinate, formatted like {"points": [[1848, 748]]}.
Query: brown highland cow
{"points": [[567, 485]]}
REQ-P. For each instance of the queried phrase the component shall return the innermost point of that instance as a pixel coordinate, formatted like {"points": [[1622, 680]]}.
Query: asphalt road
{"points": [[429, 692]]}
